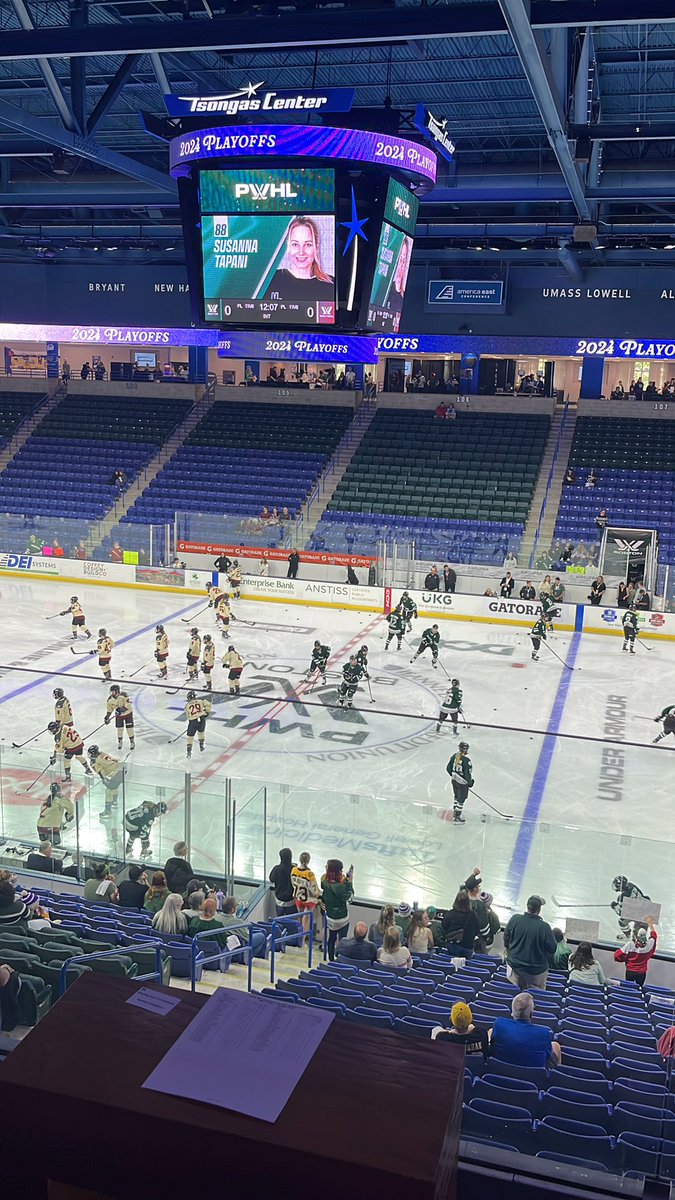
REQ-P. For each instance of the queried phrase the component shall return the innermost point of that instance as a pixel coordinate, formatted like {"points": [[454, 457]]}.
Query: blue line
{"points": [[27, 687], [526, 832]]}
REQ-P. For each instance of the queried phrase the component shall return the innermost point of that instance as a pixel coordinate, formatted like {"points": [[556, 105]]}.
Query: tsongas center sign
{"points": [[250, 99]]}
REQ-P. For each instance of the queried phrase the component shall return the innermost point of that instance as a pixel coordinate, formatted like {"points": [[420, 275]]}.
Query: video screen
{"points": [[145, 358], [268, 246], [389, 281]]}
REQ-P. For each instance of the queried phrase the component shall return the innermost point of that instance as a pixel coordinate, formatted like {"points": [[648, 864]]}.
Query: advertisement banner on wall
{"points": [[487, 608], [320, 592], [213, 549], [609, 620], [160, 576], [30, 564]]}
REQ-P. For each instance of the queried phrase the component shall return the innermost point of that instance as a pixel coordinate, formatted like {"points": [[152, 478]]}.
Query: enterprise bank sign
{"points": [[251, 99]]}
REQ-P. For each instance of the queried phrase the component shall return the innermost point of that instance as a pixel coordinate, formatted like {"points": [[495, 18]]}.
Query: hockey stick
{"points": [[370, 689], [649, 648], [506, 816], [188, 620], [55, 616], [139, 669], [179, 735], [88, 735], [560, 660], [461, 710], [18, 745], [442, 667], [81, 652], [559, 905], [32, 785]]}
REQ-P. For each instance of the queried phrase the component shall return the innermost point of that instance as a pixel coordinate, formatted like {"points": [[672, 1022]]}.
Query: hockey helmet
{"points": [[102, 632], [192, 695], [54, 790], [209, 586], [93, 751], [159, 629], [194, 631], [317, 642], [162, 807], [434, 626], [115, 689], [404, 595], [73, 600], [235, 562], [364, 650], [53, 727], [619, 882], [207, 637], [352, 658], [632, 607], [454, 682], [232, 648], [464, 745], [58, 693]]}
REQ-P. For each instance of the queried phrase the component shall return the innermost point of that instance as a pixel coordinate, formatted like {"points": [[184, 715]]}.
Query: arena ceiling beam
{"points": [[46, 70], [292, 30], [122, 74]]}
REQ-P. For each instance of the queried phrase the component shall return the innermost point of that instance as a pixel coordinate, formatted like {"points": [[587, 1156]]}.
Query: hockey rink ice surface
{"points": [[369, 785]]}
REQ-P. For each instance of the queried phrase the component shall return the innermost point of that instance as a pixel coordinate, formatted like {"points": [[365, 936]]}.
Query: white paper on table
{"points": [[243, 1052], [639, 909], [156, 1002]]}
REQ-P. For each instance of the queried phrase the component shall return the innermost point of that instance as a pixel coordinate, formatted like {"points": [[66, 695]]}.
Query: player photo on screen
{"points": [[389, 282]]}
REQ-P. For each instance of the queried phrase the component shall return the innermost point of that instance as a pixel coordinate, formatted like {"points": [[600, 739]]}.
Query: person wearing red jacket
{"points": [[637, 953]]}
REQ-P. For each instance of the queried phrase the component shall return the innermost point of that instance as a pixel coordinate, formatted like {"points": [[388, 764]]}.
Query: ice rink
{"points": [[367, 785]]}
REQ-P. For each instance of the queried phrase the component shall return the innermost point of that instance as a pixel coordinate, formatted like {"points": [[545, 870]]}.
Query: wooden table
{"points": [[375, 1114]]}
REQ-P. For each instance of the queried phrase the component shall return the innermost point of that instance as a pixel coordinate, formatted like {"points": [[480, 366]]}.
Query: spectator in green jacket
{"points": [[156, 893], [559, 960], [337, 891], [529, 942]]}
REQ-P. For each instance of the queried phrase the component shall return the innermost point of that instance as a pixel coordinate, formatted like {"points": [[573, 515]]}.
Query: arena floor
{"points": [[368, 786]]}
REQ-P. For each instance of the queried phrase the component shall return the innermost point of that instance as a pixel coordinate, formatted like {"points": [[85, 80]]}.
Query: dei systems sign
{"points": [[256, 98], [466, 293]]}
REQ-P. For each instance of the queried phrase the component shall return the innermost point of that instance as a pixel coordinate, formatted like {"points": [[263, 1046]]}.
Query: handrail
{"points": [[246, 949], [289, 937], [549, 482], [115, 952]]}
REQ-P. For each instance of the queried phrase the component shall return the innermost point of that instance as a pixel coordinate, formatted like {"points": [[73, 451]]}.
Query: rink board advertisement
{"points": [[490, 609], [75, 570], [609, 620], [322, 593]]}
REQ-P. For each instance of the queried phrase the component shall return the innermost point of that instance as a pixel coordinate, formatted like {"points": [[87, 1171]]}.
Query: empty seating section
{"points": [[14, 408], [243, 456], [65, 467], [447, 478], [607, 1105], [634, 460]]}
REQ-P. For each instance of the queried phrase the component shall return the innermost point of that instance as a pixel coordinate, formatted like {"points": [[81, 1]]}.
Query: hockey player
{"points": [[234, 576], [409, 609], [460, 770], [223, 613], [196, 711], [235, 664], [320, 656], [215, 592], [161, 650], [537, 636], [351, 674], [668, 718], [56, 810], [396, 623], [208, 660], [631, 629], [139, 821], [627, 891], [111, 773], [104, 648], [430, 641], [67, 742], [362, 660], [78, 621], [63, 712], [549, 610], [194, 650], [119, 705], [451, 706]]}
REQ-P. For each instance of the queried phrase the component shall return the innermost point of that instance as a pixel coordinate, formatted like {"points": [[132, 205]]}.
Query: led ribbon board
{"points": [[303, 141]]}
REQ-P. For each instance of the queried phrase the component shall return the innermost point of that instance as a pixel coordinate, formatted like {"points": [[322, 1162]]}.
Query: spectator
{"points": [[431, 582], [157, 893], [619, 391], [583, 967], [601, 520], [358, 948], [102, 888], [337, 890], [57, 549], [460, 926], [255, 937], [598, 589], [85, 371], [293, 564], [506, 586], [178, 870], [489, 592], [528, 942], [207, 920], [516, 1040], [35, 544], [352, 577], [641, 599], [546, 585], [264, 568], [285, 514], [591, 479], [170, 918], [379, 928], [527, 591], [449, 578], [403, 918], [637, 953], [435, 926], [559, 960], [222, 563], [132, 891], [568, 551], [306, 891], [99, 371], [510, 562], [637, 388], [116, 553], [666, 1044], [570, 477], [441, 411], [54, 811], [420, 936], [194, 902], [495, 923], [451, 413], [391, 952], [558, 590], [43, 859], [651, 390], [10, 986], [80, 551], [280, 878], [622, 600], [463, 1032], [66, 370], [472, 888], [14, 912]]}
